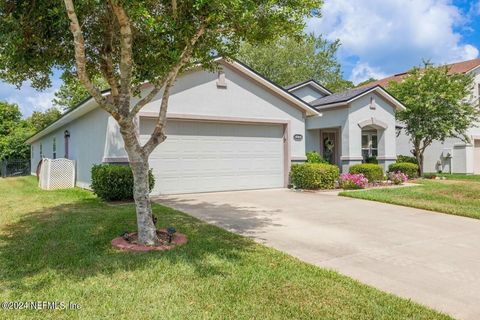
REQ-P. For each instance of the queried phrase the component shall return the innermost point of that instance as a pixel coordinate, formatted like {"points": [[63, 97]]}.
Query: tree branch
{"points": [[107, 67], [126, 55], [158, 135], [81, 60], [174, 9]]}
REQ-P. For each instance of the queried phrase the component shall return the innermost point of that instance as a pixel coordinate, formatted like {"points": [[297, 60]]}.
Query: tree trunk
{"points": [[419, 155], [146, 229], [139, 164]]}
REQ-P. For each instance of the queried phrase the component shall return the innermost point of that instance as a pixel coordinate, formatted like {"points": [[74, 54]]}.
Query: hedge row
{"points": [[410, 169], [373, 172], [314, 176], [115, 182]]}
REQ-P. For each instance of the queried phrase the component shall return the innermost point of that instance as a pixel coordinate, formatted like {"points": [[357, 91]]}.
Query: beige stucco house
{"points": [[232, 130]]}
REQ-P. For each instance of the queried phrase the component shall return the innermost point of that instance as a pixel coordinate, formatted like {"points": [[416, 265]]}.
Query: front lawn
{"points": [[55, 246], [459, 197]]}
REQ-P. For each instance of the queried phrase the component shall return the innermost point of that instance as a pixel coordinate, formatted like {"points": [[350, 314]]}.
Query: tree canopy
{"points": [[14, 130], [293, 59], [39, 37], [438, 106], [40, 120]]}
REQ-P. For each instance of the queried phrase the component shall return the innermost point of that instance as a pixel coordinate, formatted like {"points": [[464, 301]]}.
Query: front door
{"points": [[329, 147]]}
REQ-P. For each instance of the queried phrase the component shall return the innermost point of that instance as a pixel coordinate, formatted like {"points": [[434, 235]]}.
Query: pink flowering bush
{"points": [[353, 181], [398, 177]]}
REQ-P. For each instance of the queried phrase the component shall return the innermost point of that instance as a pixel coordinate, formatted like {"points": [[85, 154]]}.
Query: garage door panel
{"points": [[208, 156]]}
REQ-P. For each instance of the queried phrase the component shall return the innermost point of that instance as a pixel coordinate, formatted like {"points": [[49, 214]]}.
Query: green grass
{"points": [[448, 196], [459, 176], [55, 246]]}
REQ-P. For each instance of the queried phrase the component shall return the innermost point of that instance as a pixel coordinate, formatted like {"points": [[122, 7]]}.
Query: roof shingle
{"points": [[340, 97]]}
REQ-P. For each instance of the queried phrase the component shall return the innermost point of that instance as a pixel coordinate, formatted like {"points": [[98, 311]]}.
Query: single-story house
{"points": [[453, 155], [232, 130]]}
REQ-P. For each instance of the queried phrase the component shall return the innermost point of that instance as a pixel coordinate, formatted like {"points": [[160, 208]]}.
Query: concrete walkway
{"points": [[429, 257]]}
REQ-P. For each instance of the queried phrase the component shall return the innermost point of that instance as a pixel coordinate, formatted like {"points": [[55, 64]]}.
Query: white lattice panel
{"points": [[57, 174]]}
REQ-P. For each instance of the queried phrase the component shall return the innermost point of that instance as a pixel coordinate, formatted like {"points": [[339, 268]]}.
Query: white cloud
{"points": [[363, 71], [392, 36], [27, 98]]}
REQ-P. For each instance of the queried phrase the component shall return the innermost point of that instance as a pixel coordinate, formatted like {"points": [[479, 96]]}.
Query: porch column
{"points": [[386, 146], [351, 146]]}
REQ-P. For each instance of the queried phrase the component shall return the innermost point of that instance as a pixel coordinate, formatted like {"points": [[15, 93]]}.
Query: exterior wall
{"points": [[348, 119], [87, 145], [197, 94], [307, 93]]}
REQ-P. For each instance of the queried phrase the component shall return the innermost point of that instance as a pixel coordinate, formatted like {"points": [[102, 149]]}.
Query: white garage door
{"points": [[216, 156]]}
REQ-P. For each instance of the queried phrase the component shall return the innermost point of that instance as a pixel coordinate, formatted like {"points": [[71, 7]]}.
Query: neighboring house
{"points": [[453, 155], [232, 130]]}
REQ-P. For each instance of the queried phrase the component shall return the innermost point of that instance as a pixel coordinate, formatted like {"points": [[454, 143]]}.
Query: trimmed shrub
{"points": [[371, 159], [349, 181], [314, 176], [410, 169], [373, 172], [315, 157], [409, 159], [115, 182]]}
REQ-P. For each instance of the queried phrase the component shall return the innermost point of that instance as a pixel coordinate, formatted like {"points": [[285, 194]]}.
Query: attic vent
{"points": [[221, 82], [373, 105]]}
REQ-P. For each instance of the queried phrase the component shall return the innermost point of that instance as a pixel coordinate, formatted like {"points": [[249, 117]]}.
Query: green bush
{"points": [[371, 159], [315, 157], [410, 169], [409, 159], [373, 172], [314, 176], [115, 182]]}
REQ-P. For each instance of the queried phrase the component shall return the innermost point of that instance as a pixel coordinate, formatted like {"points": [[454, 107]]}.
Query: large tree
{"points": [[129, 43], [292, 59], [438, 106]]}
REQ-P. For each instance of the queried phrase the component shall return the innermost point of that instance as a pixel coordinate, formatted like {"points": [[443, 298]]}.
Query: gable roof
{"points": [[453, 68], [346, 97], [311, 83], [238, 65], [89, 103]]}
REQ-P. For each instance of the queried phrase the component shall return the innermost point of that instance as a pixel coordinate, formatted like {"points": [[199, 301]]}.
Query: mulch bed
{"points": [[133, 245]]}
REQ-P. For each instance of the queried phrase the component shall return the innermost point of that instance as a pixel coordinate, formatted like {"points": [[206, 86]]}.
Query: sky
{"points": [[379, 38]]}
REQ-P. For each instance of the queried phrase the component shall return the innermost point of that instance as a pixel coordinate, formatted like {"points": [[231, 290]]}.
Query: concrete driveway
{"points": [[431, 258]]}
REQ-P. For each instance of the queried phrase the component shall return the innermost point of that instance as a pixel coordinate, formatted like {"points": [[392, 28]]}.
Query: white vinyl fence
{"points": [[57, 174]]}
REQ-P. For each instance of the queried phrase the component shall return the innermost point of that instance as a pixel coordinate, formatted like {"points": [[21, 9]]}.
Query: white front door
{"points": [[217, 156]]}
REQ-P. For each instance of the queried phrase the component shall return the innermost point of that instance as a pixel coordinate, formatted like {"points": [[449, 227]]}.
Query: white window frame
{"points": [[370, 147]]}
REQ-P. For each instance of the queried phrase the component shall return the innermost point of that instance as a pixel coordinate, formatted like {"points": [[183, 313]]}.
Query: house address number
{"points": [[298, 137]]}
